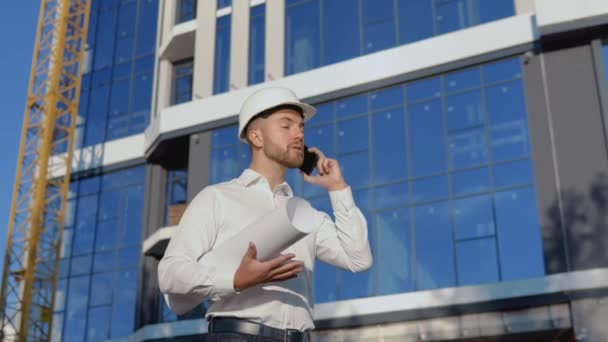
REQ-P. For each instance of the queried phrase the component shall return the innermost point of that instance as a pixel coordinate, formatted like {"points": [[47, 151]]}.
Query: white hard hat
{"points": [[268, 98]]}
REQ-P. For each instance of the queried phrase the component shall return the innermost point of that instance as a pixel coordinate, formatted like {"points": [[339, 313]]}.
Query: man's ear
{"points": [[255, 137]]}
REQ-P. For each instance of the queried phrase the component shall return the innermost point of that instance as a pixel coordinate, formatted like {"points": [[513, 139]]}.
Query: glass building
{"points": [[472, 132]]}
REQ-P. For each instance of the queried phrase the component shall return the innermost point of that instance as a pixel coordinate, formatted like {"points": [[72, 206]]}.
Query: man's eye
{"points": [[284, 126]]}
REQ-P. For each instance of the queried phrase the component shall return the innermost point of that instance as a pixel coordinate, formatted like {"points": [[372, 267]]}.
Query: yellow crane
{"points": [[31, 259]]}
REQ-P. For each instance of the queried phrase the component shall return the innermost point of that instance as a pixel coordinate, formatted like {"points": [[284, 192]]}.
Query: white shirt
{"points": [[217, 213]]}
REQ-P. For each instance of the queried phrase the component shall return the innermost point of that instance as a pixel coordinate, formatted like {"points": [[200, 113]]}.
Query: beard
{"points": [[290, 156]]}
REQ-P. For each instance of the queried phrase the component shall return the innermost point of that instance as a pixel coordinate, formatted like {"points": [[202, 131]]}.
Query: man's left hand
{"points": [[330, 176]]}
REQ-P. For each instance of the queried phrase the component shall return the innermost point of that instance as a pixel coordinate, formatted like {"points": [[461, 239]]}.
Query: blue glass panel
{"points": [[95, 132], [257, 44], [518, 229], [377, 10], [123, 306], [302, 34], [221, 75], [146, 30], [142, 93], [490, 10], [415, 20], [504, 70], [109, 204], [119, 100], [99, 324], [325, 115], [351, 106], [118, 127], [129, 232], [462, 80], [324, 282], [427, 148], [513, 174], [124, 50], [322, 138], [355, 168], [104, 43], [64, 268], [224, 3], [186, 10], [363, 200], [341, 38], [224, 164], [101, 78], [134, 175], [473, 217], [467, 149], [389, 146], [144, 65], [605, 58], [224, 136], [352, 135], [506, 103], [88, 186], [430, 189], [106, 235], [424, 89], [385, 98], [464, 110], [476, 260], [509, 141], [470, 182], [128, 258], [103, 262], [379, 36], [126, 24], [85, 225], [121, 71], [111, 180], [98, 101], [454, 15], [434, 247], [81, 265], [394, 252], [391, 196], [75, 316], [101, 289]]}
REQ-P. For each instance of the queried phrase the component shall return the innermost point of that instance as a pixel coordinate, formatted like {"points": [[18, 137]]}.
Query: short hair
{"points": [[268, 112]]}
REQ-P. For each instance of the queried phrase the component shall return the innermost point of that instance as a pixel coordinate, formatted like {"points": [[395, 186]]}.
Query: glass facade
{"points": [[322, 32], [221, 70], [95, 298], [186, 10], [257, 35], [181, 87], [119, 66], [223, 3], [441, 169]]}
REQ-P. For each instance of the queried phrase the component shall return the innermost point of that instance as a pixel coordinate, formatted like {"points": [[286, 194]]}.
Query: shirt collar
{"points": [[250, 177]]}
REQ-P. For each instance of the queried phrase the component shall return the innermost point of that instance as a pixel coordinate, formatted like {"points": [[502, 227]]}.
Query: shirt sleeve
{"points": [[183, 279], [344, 243]]}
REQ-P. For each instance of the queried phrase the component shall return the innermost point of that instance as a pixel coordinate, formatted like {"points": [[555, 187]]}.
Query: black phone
{"points": [[310, 161]]}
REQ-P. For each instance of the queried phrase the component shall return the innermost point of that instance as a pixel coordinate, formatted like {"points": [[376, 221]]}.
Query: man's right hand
{"points": [[252, 272]]}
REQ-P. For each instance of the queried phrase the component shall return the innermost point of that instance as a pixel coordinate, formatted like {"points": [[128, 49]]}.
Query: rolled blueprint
{"points": [[272, 233]]}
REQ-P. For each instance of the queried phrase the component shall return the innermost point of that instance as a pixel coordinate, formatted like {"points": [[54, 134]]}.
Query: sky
{"points": [[17, 35]]}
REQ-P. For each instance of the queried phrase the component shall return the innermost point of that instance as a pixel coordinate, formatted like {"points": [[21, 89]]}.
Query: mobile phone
{"points": [[310, 161]]}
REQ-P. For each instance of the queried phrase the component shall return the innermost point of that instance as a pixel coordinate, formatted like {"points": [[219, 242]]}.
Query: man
{"points": [[272, 300]]}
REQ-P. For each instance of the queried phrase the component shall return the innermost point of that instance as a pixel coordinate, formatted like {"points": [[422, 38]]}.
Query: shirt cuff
{"points": [[223, 280], [342, 200]]}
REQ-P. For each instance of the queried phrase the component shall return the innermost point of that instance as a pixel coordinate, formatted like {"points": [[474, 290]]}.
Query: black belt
{"points": [[225, 324]]}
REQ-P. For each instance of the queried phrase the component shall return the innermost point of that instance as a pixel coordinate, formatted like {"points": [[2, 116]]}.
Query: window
{"points": [[605, 59], [100, 254], [177, 195], [221, 71], [256, 44], [182, 82], [186, 10], [223, 3], [322, 32], [441, 169]]}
